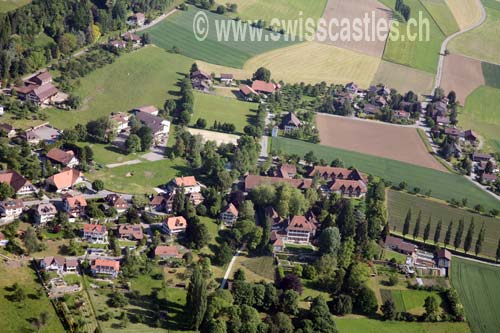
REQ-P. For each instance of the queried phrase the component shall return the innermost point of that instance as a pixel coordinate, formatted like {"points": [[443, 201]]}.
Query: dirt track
{"points": [[461, 74], [379, 139]]}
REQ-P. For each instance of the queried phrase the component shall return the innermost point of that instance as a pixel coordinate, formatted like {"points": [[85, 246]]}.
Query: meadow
{"points": [[398, 204], [8, 5], [233, 51], [355, 324], [421, 54], [477, 286], [444, 186], [223, 109], [403, 78], [491, 74], [17, 316], [466, 12], [481, 114], [442, 15], [147, 76], [483, 42]]}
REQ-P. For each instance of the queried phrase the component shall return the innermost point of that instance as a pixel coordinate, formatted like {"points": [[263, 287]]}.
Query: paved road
{"points": [[230, 267], [444, 46]]}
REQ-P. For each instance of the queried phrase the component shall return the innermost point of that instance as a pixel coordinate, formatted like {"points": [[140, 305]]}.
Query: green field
{"points": [[491, 73], [17, 316], [144, 77], [142, 177], [8, 5], [223, 109], [477, 286], [483, 42], [481, 114], [442, 15], [177, 31], [421, 54], [399, 202], [403, 78], [444, 186], [356, 325]]}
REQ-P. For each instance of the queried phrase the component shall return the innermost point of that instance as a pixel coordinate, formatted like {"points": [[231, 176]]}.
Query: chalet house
{"points": [[189, 183], [480, 157], [64, 158], [247, 92], [11, 209], [162, 202], [120, 121], [300, 230], [287, 171], [195, 198], [118, 44], [174, 225], [95, 233], [263, 87], [65, 179], [117, 201], [3, 240], [201, 81], [278, 223], [59, 264], [37, 89], [252, 181], [9, 130], [443, 257], [105, 267], [277, 242], [159, 126], [167, 252], [74, 205], [20, 184], [371, 109], [229, 215], [470, 136], [227, 78], [290, 122], [132, 38], [399, 245], [152, 110], [130, 232], [352, 88], [137, 19], [45, 212]]}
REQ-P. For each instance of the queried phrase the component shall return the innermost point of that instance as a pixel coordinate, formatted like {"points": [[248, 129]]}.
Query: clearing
{"points": [[442, 15], [481, 114], [8, 5], [483, 42], [356, 324], [177, 31], [422, 53], [477, 286], [218, 137], [444, 186], [404, 78], [224, 110], [351, 10], [398, 204], [491, 74], [461, 74], [379, 139], [466, 12], [144, 77]]}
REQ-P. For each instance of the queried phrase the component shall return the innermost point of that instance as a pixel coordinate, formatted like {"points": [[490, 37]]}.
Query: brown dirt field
{"points": [[373, 138], [340, 9], [461, 74]]}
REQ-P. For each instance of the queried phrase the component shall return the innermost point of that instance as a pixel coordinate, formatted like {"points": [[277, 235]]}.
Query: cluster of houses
{"points": [[192, 188], [128, 38], [39, 90], [258, 88]]}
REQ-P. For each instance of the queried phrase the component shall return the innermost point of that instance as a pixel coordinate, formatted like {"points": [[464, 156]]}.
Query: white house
{"points": [[95, 233], [229, 215], [174, 225], [105, 267], [11, 209], [300, 230], [189, 183], [45, 212]]}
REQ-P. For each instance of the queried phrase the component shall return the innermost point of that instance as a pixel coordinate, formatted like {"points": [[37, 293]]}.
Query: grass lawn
{"points": [[442, 15], [142, 177], [421, 54], [8, 5], [444, 186], [491, 74], [177, 31], [108, 154], [223, 109], [17, 317], [389, 254], [398, 204], [177, 319], [483, 42], [356, 324], [481, 114], [263, 266], [477, 286], [144, 77]]}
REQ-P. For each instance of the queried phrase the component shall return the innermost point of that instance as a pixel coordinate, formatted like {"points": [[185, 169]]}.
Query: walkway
{"points": [[230, 267]]}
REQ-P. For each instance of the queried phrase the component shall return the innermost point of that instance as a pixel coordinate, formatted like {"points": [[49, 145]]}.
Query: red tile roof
{"points": [[114, 264], [263, 86], [87, 227], [299, 223], [78, 200], [64, 179], [165, 250], [185, 181], [246, 90], [176, 223], [231, 209], [61, 156], [13, 179], [130, 230]]}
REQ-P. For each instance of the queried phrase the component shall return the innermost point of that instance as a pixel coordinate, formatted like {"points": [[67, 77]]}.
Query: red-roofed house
{"points": [[229, 215], [174, 225], [300, 230], [189, 183], [117, 201], [264, 87], [151, 109], [167, 252], [65, 179], [20, 184], [95, 233], [137, 19], [130, 232], [287, 171], [345, 187], [105, 267], [74, 205], [247, 92], [443, 258], [65, 158], [277, 241]]}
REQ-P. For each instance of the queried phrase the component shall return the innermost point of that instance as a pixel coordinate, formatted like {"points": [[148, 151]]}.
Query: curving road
{"points": [[444, 46]]}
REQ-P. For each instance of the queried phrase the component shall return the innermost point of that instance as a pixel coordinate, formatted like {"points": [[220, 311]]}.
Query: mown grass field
{"points": [[442, 15], [444, 186], [398, 204], [481, 114], [466, 12], [477, 286], [8, 5], [223, 109], [17, 317], [355, 324], [142, 177], [403, 78], [144, 77], [422, 53], [177, 31], [491, 74], [412, 301], [483, 42]]}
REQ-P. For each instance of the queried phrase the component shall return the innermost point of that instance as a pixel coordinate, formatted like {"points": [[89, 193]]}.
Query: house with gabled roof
{"points": [[45, 212], [21, 185], [130, 232], [174, 225], [64, 158], [247, 92], [190, 184], [162, 202], [160, 127], [264, 87], [290, 122], [11, 209], [300, 230], [74, 205], [95, 233], [167, 252], [287, 170], [105, 267], [117, 201], [229, 215], [65, 179], [137, 19]]}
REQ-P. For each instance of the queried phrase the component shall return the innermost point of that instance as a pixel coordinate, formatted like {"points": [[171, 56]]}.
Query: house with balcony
{"points": [[45, 212], [95, 233], [105, 267]]}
